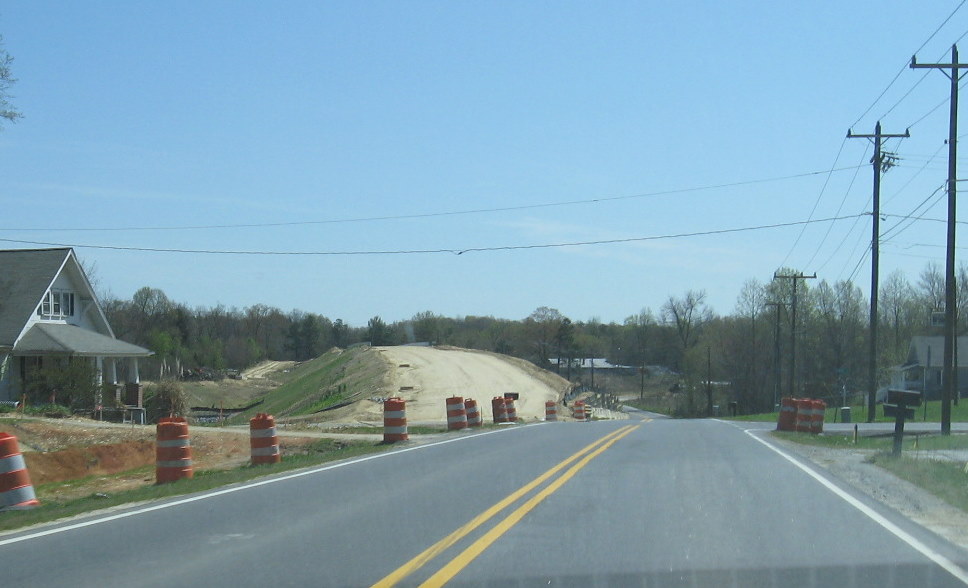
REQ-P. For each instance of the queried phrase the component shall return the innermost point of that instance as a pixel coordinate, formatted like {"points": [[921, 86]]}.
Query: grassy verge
{"points": [[880, 443], [323, 451], [945, 480], [959, 414], [656, 405]]}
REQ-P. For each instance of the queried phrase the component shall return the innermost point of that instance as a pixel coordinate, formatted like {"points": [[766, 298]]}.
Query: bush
{"points": [[71, 382], [166, 398]]}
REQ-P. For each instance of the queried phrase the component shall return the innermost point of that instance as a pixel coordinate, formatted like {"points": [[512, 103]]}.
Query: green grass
{"points": [[323, 451], [657, 405], [945, 480], [959, 414], [881, 442], [310, 387]]}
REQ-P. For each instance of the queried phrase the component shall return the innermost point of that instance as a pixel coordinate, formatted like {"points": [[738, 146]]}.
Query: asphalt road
{"points": [[625, 503]]}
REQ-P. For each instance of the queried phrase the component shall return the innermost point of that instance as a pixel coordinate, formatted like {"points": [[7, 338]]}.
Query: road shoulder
{"points": [[914, 503]]}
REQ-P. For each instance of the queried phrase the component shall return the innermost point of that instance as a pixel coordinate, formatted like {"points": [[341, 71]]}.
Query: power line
{"points": [[455, 251], [444, 213], [816, 202], [905, 66], [839, 208]]}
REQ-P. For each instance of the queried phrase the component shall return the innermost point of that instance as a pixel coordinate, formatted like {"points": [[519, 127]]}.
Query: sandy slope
{"points": [[434, 374]]}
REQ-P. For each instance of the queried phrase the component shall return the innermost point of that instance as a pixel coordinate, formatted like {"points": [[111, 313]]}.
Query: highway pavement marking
{"points": [[945, 563], [263, 482], [448, 541], [454, 567]]}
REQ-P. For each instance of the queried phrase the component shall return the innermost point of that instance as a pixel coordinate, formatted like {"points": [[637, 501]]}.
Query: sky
{"points": [[355, 159]]}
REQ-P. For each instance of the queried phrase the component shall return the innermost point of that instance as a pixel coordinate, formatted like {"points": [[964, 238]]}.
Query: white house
{"points": [[48, 310], [922, 369]]}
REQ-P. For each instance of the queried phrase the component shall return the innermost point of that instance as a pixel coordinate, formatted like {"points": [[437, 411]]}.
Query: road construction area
{"points": [[426, 376]]}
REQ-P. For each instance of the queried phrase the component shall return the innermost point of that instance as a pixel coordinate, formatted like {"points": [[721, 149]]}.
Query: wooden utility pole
{"points": [[880, 164], [793, 325], [776, 354], [949, 376]]}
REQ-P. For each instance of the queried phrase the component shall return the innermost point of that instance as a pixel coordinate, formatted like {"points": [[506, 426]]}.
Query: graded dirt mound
{"points": [[426, 376]]}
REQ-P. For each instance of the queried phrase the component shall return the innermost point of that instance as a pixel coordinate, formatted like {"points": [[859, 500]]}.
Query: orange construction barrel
{"points": [[16, 491], [498, 410], [819, 410], [395, 420], [473, 413], [787, 419], [173, 451], [511, 410], [551, 411], [456, 414], [804, 415], [263, 441]]}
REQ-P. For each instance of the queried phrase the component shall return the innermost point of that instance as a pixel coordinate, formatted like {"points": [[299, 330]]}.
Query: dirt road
{"points": [[426, 376]]}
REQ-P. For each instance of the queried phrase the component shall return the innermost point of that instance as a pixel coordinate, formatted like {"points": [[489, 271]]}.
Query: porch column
{"points": [[99, 369], [134, 394], [133, 376], [112, 374]]}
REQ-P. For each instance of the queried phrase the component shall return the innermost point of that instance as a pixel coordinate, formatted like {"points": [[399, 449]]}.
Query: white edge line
{"points": [[223, 491], [948, 565]]}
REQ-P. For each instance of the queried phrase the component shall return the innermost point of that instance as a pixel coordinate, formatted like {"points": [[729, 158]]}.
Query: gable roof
{"points": [[25, 276], [918, 352], [44, 338]]}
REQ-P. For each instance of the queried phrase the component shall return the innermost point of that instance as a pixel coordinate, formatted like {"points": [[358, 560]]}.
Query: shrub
{"points": [[166, 398]]}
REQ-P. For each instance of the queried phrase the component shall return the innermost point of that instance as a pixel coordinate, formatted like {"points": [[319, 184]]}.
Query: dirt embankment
{"points": [[426, 376]]}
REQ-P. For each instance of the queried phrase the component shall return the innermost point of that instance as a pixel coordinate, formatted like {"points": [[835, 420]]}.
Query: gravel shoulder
{"points": [[911, 501]]}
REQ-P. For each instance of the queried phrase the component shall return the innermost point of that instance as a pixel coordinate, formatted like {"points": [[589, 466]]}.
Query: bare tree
{"points": [[687, 314], [7, 80]]}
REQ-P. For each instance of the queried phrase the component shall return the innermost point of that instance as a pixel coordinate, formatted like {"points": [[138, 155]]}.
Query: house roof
{"points": [[56, 338], [25, 275], [918, 353]]}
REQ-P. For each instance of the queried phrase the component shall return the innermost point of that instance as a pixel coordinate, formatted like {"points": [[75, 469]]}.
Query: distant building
{"points": [[921, 370], [49, 313]]}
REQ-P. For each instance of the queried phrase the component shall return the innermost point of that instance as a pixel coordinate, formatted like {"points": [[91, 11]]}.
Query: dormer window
{"points": [[56, 305]]}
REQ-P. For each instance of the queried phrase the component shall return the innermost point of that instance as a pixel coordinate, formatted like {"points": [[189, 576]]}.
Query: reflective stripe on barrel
{"points": [[473, 413], [456, 415], [173, 451], [395, 420], [263, 441], [16, 491], [551, 411]]}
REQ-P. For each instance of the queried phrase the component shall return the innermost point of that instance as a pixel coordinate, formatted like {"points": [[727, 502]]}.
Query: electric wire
{"points": [[816, 202], [455, 251], [443, 213], [839, 208], [905, 66]]}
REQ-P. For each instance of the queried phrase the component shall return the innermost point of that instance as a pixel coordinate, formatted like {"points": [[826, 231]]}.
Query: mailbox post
{"points": [[902, 399]]}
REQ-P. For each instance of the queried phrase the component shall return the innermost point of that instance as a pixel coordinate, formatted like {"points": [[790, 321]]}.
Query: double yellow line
{"points": [[457, 564]]}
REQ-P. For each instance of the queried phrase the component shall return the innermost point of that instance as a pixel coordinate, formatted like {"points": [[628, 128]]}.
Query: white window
{"points": [[56, 305]]}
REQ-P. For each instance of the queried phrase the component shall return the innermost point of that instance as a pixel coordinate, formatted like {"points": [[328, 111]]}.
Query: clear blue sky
{"points": [[147, 116]]}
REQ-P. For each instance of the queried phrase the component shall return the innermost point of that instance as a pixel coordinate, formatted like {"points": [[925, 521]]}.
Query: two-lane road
{"points": [[627, 503]]}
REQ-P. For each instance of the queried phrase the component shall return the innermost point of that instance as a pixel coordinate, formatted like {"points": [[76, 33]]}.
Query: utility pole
{"points": [[776, 354], [709, 382], [881, 163], [949, 375], [793, 325]]}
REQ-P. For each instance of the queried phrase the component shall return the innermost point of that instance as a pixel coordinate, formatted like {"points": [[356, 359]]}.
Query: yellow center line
{"points": [[434, 550], [460, 562]]}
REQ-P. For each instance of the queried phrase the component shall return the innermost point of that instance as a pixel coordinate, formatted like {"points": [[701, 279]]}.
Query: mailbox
{"points": [[512, 395], [906, 397]]}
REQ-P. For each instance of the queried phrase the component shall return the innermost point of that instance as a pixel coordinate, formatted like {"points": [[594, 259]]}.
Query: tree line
{"points": [[684, 334]]}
